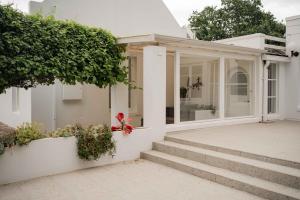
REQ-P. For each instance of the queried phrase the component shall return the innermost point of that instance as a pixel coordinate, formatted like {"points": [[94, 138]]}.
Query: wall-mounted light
{"points": [[294, 53]]}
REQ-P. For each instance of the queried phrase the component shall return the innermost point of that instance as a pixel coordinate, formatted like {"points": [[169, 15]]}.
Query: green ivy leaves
{"points": [[36, 50]]}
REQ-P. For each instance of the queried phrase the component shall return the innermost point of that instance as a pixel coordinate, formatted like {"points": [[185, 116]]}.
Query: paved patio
{"points": [[280, 139], [141, 180]]}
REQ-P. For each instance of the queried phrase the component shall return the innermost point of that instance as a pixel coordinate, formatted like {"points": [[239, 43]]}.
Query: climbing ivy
{"points": [[37, 50]]}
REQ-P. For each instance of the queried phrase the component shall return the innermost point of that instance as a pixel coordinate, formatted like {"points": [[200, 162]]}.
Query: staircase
{"points": [[268, 178]]}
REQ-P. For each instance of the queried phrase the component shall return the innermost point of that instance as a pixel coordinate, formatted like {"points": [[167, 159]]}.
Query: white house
{"points": [[186, 84]]}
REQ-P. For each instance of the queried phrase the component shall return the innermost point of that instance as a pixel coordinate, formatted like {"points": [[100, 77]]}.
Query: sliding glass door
{"points": [[238, 88], [272, 88], [199, 88]]}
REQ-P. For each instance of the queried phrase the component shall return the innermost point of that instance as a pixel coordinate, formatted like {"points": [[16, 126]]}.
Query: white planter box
{"points": [[59, 155], [204, 114]]}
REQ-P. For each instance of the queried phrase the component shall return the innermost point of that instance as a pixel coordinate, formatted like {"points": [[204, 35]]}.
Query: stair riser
{"points": [[219, 179], [269, 175], [286, 163]]}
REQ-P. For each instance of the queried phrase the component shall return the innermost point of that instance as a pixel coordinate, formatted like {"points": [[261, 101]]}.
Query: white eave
{"points": [[276, 58], [161, 40]]}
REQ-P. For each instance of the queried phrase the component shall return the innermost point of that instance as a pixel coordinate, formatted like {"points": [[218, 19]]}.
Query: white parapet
{"points": [[59, 155]]}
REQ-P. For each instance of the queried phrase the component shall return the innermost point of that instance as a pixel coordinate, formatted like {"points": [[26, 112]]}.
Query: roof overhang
{"points": [[162, 40]]}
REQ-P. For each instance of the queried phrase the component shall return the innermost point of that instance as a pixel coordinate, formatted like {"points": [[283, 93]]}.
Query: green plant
{"points": [[183, 92], [28, 132], [7, 137], [35, 51], [234, 18], [94, 142], [68, 131]]}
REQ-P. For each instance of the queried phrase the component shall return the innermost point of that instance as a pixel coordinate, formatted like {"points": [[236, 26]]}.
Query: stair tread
{"points": [[254, 162], [262, 157], [229, 174]]}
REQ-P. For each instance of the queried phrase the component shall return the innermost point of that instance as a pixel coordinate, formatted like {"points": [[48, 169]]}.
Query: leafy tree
{"points": [[234, 18], [36, 50]]}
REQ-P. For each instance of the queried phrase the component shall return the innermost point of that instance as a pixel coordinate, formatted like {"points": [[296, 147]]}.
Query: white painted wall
{"points": [[121, 17], [43, 107], [93, 108], [293, 69], [58, 155], [22, 115]]}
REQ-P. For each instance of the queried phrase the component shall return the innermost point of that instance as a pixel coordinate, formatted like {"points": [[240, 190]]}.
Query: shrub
{"points": [[94, 142], [36, 50], [68, 131], [7, 137], [28, 132]]}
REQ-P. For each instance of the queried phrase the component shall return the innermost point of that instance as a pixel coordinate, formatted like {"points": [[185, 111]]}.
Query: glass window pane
{"points": [[199, 88], [272, 105], [238, 88], [271, 87], [272, 74]]}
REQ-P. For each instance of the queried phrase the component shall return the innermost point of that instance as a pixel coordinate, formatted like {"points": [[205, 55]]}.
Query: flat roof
{"points": [[157, 39]]}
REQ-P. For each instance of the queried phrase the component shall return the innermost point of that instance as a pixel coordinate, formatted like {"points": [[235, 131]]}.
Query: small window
{"points": [[15, 99]]}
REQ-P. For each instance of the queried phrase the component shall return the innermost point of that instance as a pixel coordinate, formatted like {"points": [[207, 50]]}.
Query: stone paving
{"points": [[140, 180], [279, 139]]}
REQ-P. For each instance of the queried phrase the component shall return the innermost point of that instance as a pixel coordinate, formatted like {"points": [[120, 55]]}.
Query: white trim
{"points": [[222, 88], [276, 58], [210, 123], [177, 88]]}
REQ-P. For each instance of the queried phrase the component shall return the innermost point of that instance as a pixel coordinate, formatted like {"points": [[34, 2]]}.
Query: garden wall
{"points": [[59, 155]]}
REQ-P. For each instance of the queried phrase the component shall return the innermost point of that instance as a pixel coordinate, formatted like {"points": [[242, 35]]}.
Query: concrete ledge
{"points": [[59, 155]]}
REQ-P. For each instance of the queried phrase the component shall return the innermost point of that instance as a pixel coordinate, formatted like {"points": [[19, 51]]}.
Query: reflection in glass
{"points": [[238, 88], [199, 88]]}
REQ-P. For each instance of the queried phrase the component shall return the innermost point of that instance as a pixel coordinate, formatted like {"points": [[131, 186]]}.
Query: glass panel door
{"points": [[199, 88], [272, 88], [238, 88]]}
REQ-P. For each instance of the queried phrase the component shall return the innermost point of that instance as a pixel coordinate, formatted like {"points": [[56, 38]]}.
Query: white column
{"points": [[222, 88], [177, 88], [154, 90], [119, 101]]}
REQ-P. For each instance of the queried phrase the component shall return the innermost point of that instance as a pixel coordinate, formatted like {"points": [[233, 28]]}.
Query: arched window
{"points": [[239, 83]]}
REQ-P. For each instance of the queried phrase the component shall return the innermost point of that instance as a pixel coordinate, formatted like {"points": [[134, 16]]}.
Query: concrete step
{"points": [[271, 172], [264, 158], [225, 177]]}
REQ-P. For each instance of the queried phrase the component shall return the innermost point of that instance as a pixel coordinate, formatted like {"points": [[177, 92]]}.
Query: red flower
{"points": [[128, 129], [125, 128], [120, 117], [115, 128]]}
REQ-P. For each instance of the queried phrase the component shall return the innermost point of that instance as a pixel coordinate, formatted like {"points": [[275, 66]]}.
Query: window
{"points": [[272, 88], [238, 88], [199, 88], [15, 99]]}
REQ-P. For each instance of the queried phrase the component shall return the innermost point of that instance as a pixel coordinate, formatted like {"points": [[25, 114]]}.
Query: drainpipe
{"points": [[265, 91]]}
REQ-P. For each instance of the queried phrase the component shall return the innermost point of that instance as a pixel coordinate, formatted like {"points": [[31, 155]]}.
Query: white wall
{"points": [[121, 17], [293, 69], [59, 155], [42, 107], [22, 115], [256, 41], [93, 108]]}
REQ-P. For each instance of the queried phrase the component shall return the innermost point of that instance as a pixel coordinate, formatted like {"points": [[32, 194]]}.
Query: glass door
{"points": [[272, 88], [238, 88]]}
